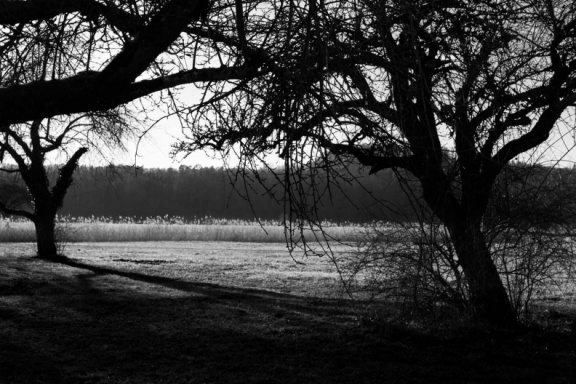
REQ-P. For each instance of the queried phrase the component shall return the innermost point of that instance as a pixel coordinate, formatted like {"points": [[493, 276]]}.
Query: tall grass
{"points": [[16, 232], [126, 229], [120, 232]]}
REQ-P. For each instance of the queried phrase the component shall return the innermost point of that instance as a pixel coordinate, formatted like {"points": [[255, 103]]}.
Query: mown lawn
{"points": [[233, 313]]}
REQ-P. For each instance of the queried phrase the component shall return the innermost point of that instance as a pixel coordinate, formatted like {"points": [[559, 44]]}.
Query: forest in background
{"points": [[194, 193], [198, 192]]}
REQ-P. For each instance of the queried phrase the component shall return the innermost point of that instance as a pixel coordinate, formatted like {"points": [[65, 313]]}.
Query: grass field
{"points": [[215, 312]]}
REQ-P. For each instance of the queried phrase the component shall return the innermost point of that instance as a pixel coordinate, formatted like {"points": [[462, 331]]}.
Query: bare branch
{"points": [[85, 92], [17, 212], [20, 12]]}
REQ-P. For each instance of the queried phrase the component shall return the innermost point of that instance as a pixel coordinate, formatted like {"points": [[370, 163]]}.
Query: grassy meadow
{"points": [[228, 312], [161, 300]]}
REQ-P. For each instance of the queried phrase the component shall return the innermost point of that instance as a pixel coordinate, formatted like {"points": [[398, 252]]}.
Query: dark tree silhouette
{"points": [[87, 58], [62, 57], [399, 84], [392, 84], [27, 146]]}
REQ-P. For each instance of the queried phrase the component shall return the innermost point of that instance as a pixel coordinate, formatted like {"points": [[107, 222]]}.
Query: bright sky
{"points": [[154, 151]]}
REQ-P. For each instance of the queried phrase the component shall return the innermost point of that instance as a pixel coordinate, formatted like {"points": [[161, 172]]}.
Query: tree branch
{"points": [[18, 139], [537, 135], [65, 177], [17, 212], [162, 30], [84, 93], [20, 12]]}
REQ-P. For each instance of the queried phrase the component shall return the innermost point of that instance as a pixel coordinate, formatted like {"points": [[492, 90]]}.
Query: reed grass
{"points": [[17, 232], [168, 229]]}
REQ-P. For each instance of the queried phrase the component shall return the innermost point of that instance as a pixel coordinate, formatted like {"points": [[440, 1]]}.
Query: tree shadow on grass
{"points": [[67, 327], [214, 291]]}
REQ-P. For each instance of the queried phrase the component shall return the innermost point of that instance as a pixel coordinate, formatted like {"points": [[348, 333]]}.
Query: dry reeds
{"points": [[126, 229]]}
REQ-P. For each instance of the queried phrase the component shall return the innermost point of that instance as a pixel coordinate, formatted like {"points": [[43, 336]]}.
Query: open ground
{"points": [[215, 312]]}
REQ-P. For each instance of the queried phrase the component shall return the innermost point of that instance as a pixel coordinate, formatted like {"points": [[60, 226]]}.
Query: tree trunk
{"points": [[46, 236], [487, 293]]}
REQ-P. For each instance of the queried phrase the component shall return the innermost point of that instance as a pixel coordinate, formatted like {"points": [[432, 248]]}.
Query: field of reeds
{"points": [[166, 228]]}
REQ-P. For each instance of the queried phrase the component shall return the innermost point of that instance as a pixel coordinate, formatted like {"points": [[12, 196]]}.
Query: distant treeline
{"points": [[199, 192], [524, 193]]}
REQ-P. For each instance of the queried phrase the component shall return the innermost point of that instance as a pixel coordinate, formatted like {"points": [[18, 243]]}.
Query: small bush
{"points": [[416, 268], [411, 266]]}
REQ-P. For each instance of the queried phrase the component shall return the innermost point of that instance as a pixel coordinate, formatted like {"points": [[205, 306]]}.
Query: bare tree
{"points": [[391, 84], [24, 150], [529, 227], [396, 84], [66, 67]]}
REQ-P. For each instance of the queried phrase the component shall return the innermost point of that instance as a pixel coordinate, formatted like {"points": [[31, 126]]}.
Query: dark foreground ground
{"points": [[105, 323]]}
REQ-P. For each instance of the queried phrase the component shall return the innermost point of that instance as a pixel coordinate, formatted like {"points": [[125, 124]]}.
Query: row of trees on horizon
{"points": [[197, 192], [216, 192]]}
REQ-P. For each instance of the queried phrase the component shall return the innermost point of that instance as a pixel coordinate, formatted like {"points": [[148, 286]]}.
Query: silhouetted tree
{"points": [[28, 145], [63, 57], [399, 84], [80, 58]]}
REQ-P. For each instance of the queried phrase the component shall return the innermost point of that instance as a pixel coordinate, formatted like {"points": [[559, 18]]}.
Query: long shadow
{"points": [[95, 337], [220, 292], [72, 332]]}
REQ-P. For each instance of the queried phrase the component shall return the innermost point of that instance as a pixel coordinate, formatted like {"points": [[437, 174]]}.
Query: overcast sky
{"points": [[154, 151]]}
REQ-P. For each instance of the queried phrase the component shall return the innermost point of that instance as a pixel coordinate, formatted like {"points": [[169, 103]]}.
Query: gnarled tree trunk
{"points": [[463, 217], [47, 201], [487, 293]]}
